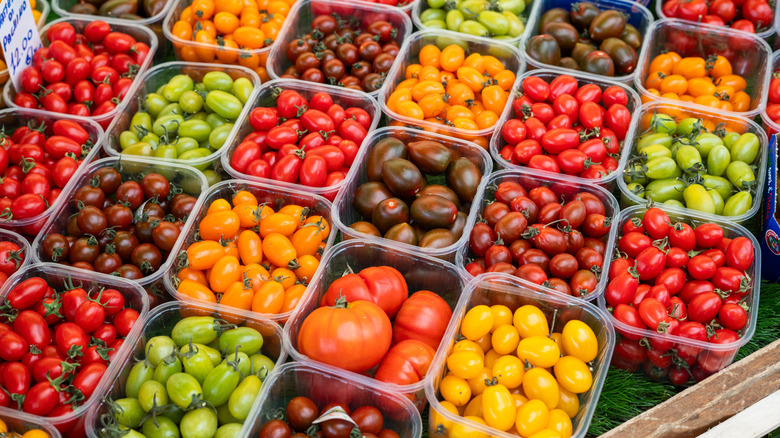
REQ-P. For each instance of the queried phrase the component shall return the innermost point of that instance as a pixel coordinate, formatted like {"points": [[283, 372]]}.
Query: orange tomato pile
{"points": [[449, 88], [32, 433], [709, 82], [230, 31], [253, 258]]}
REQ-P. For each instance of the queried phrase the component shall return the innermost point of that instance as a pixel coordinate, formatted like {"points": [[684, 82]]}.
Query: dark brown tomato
{"points": [[623, 55], [481, 238], [403, 233], [553, 15], [152, 209], [528, 207], [147, 258], [301, 412], [544, 49], [382, 151], [597, 244], [165, 235], [568, 62], [347, 53], [384, 30], [326, 55], [331, 42], [306, 61], [573, 213], [313, 75], [295, 48], [325, 24], [109, 179], [72, 228], [130, 272], [344, 34], [599, 63], [532, 273], [360, 69], [372, 82], [368, 195], [144, 229], [632, 36], [402, 177], [333, 70], [84, 265], [155, 184], [369, 50], [130, 192], [574, 241], [432, 211], [124, 244], [431, 157], [563, 266], [542, 196], [564, 33], [438, 238], [588, 258], [517, 248], [84, 249], [310, 40], [511, 227], [582, 13], [583, 282], [534, 256], [508, 191], [459, 225], [388, 213], [580, 51], [391, 49], [550, 240], [383, 62], [56, 247], [90, 195], [182, 205], [119, 216], [440, 190], [107, 263], [336, 428], [497, 254], [549, 213], [463, 177], [607, 24], [91, 220]]}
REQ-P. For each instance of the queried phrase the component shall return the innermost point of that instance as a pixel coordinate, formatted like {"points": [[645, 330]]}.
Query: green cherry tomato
{"points": [[739, 173], [160, 89], [472, 27], [718, 160], [656, 151], [184, 144], [435, 24], [170, 109], [717, 200], [738, 204], [722, 185], [246, 339], [151, 138], [663, 123], [218, 80], [241, 400], [242, 89], [635, 173], [637, 189], [199, 130], [140, 124], [215, 121], [155, 103], [688, 157], [730, 138], [220, 383], [224, 104], [661, 168], [494, 22], [129, 412], [141, 373], [224, 416], [160, 427], [198, 329], [167, 124], [228, 430], [176, 87], [196, 155], [212, 177], [166, 151], [472, 8], [242, 360], [173, 413], [454, 19], [697, 198], [159, 347], [663, 190], [261, 365], [191, 102], [214, 355], [127, 139], [705, 142], [196, 362], [219, 135], [200, 115], [182, 387], [169, 366], [654, 138], [516, 26], [432, 14], [200, 423], [152, 394], [745, 148], [687, 126], [674, 203], [514, 7], [436, 4]]}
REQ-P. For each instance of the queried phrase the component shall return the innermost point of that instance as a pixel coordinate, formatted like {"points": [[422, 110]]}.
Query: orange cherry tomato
{"points": [[239, 296], [204, 254], [663, 63], [250, 247], [218, 205], [278, 249], [278, 223], [292, 296], [196, 291], [494, 98], [256, 274], [736, 81], [452, 58], [225, 272], [307, 266], [689, 68], [676, 84], [269, 298], [221, 225], [429, 55]]}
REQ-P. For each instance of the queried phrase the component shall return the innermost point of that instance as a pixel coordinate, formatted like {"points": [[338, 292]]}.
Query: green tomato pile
{"points": [[497, 19], [186, 386], [187, 121], [682, 164]]}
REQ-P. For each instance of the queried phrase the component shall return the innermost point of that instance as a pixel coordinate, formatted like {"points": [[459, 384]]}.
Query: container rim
{"points": [[160, 16]]}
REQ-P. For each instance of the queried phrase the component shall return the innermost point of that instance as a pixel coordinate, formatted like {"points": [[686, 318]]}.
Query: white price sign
{"points": [[18, 36]]}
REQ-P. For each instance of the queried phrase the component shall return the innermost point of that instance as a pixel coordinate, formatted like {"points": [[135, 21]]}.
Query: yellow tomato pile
{"points": [[34, 433], [253, 258], [230, 30], [37, 16], [512, 374], [449, 88], [709, 82]]}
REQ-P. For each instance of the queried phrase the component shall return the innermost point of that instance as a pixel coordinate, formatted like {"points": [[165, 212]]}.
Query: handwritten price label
{"points": [[18, 36]]}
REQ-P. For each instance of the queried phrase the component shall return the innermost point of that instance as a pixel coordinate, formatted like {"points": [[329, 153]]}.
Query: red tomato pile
{"points": [[36, 163], [81, 74], [746, 15], [536, 237], [683, 281], [11, 258], [312, 143], [773, 106], [55, 345], [562, 127], [360, 335]]}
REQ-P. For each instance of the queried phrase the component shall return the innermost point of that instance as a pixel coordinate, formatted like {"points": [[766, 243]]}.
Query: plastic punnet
{"points": [[770, 125]]}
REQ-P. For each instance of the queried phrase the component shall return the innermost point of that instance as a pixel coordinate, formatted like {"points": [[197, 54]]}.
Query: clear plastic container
{"points": [[770, 125], [344, 214], [62, 9], [158, 76], [717, 356], [637, 16], [421, 273], [72, 424], [253, 59], [409, 54], [140, 33], [275, 197], [422, 6], [41, 6], [160, 322], [24, 245], [495, 288], [738, 124], [750, 56], [565, 188], [191, 181], [324, 386], [497, 142], [21, 422], [10, 119], [304, 12], [765, 34], [266, 98]]}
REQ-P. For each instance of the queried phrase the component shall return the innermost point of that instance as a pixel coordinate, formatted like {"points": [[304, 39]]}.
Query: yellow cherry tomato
{"points": [[477, 322], [558, 338], [460, 430], [465, 364], [519, 399], [455, 390], [505, 339], [491, 357], [573, 374], [478, 383], [539, 384], [539, 351], [579, 341], [530, 321], [560, 422], [509, 371], [532, 417], [498, 407], [474, 408], [501, 315], [437, 421], [568, 402], [546, 433], [466, 345]]}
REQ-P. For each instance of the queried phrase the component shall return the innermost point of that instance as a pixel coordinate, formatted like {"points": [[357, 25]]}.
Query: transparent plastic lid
{"points": [[62, 9]]}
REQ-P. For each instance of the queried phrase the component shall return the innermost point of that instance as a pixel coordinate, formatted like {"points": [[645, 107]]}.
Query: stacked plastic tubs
{"points": [[266, 98], [140, 33], [770, 125], [190, 181], [494, 289], [20, 423], [19, 117], [158, 76], [58, 277]]}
